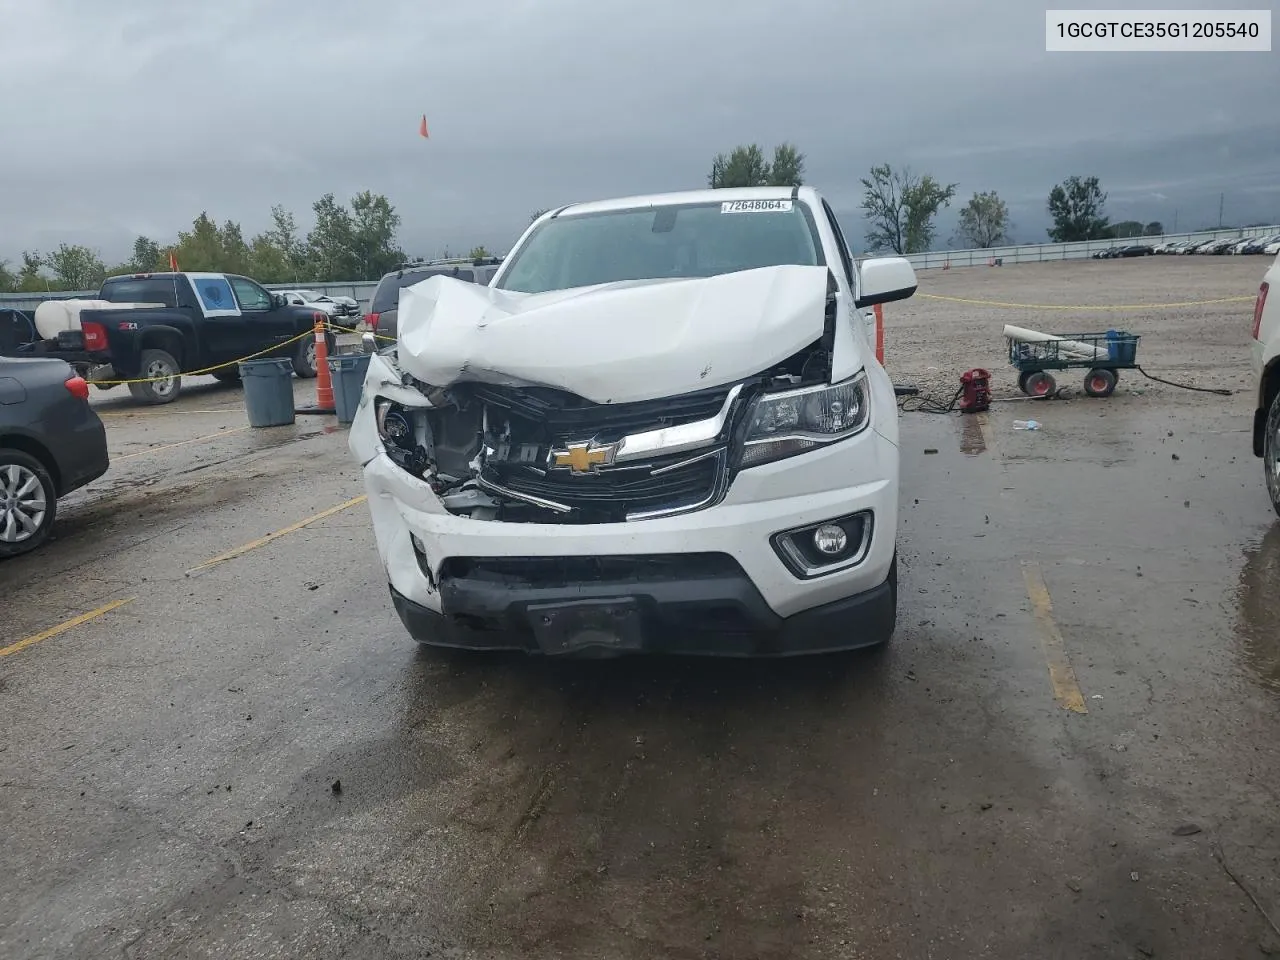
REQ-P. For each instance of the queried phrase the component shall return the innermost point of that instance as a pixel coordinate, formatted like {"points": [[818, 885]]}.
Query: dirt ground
{"points": [[930, 341], [218, 743]]}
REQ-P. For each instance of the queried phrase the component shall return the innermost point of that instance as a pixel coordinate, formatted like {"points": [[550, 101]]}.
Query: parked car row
{"points": [[1131, 250], [1269, 245]]}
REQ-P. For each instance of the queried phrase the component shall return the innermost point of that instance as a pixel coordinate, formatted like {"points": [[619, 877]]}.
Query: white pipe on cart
{"points": [[1086, 350]]}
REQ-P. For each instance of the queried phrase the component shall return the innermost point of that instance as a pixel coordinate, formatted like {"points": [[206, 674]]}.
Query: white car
{"points": [[1265, 354], [661, 427], [1272, 248]]}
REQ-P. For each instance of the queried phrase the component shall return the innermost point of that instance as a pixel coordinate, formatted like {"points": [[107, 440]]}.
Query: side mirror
{"points": [[885, 279], [369, 342], [277, 301]]}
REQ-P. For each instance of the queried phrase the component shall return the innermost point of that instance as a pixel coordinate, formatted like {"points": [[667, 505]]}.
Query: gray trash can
{"points": [[348, 373], [268, 392]]}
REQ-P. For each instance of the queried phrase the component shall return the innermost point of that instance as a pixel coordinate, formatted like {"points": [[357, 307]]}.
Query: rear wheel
{"points": [[1041, 384], [162, 375], [1100, 383], [305, 363], [1023, 377], [1271, 453], [28, 502]]}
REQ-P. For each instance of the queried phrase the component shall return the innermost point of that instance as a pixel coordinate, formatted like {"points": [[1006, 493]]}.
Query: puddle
{"points": [[1258, 623], [972, 441]]}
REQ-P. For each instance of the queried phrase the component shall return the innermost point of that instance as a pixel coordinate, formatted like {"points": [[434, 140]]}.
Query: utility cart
{"points": [[1102, 355]]}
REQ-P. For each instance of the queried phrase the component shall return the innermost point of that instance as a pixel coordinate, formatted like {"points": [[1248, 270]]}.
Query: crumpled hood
{"points": [[613, 343]]}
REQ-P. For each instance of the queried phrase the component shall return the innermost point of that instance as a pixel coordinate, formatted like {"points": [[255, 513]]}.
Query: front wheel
{"points": [[162, 378], [1041, 384], [28, 502], [1271, 453]]}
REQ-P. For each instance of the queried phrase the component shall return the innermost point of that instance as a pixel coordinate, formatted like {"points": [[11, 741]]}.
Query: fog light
{"points": [[830, 539]]}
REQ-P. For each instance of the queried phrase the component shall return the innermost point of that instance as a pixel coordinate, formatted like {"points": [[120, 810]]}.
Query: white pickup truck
{"points": [[661, 427]]}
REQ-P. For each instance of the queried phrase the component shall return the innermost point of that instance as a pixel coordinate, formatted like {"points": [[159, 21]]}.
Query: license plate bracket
{"points": [[569, 626]]}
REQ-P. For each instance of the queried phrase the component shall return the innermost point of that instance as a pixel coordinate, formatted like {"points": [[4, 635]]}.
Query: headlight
{"points": [[395, 427], [785, 424]]}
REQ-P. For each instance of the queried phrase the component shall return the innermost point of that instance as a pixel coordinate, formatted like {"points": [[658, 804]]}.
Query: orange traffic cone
{"points": [[324, 381]]}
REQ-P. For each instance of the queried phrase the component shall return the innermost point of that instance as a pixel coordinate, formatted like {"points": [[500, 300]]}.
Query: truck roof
{"points": [[807, 194]]}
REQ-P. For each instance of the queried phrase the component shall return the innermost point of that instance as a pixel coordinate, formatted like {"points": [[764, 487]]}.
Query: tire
{"points": [[1041, 384], [158, 363], [1271, 453], [227, 375], [1100, 382], [304, 357], [28, 503], [1022, 380]]}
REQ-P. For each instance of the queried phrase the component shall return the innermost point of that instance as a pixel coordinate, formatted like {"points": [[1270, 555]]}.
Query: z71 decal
{"points": [[755, 206]]}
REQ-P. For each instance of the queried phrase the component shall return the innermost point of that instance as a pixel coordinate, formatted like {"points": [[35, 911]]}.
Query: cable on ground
{"points": [[923, 404], [1220, 391]]}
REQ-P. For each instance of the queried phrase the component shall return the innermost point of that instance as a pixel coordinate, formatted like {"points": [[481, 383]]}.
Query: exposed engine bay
{"points": [[544, 455]]}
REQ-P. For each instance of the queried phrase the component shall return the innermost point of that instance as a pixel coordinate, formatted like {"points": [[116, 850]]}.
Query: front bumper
{"points": [[716, 612], [763, 607]]}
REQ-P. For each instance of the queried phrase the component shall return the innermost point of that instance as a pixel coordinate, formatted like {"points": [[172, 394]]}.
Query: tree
{"points": [[283, 236], [75, 267], [1153, 229], [901, 206], [373, 226], [235, 252], [30, 279], [329, 242], [1126, 229], [1076, 207], [8, 281], [479, 253], [747, 167], [146, 257], [984, 221], [200, 248]]}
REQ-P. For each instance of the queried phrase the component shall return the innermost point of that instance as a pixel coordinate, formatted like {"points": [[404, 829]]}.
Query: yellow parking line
{"points": [[180, 443], [292, 528], [64, 627], [1065, 688]]}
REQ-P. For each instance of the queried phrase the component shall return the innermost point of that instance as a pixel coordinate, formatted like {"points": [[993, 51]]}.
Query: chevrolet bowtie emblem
{"points": [[583, 457]]}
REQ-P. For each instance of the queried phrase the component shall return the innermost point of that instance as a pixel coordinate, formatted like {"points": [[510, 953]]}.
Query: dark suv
{"points": [[381, 317]]}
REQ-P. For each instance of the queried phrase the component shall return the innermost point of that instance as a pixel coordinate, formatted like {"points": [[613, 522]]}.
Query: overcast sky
{"points": [[130, 118]]}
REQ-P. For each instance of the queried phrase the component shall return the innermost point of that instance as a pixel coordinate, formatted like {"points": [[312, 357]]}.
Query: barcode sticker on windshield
{"points": [[755, 206]]}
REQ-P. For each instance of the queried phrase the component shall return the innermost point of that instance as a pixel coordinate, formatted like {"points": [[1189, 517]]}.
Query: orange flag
{"points": [[173, 262], [422, 127]]}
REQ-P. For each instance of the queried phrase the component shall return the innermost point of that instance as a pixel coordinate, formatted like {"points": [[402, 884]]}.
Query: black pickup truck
{"points": [[184, 322]]}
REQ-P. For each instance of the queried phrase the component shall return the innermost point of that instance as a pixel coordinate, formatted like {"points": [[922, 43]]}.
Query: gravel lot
{"points": [[930, 342]]}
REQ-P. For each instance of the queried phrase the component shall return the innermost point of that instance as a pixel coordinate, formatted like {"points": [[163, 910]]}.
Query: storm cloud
{"points": [[121, 120]]}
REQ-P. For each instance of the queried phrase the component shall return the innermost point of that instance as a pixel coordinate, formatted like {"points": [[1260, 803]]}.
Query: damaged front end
{"points": [[541, 454]]}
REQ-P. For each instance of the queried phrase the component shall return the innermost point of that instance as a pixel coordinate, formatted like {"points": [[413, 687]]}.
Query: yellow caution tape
{"points": [[1061, 306], [376, 336], [206, 370]]}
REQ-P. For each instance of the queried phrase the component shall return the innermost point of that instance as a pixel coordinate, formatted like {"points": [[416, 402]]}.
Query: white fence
{"points": [[1040, 252], [362, 290]]}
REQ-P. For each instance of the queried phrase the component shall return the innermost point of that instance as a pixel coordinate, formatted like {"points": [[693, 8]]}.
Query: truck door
{"points": [[220, 328], [264, 324]]}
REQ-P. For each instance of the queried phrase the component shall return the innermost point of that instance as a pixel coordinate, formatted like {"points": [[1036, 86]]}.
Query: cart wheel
{"points": [[1023, 377], [1041, 384], [1099, 383]]}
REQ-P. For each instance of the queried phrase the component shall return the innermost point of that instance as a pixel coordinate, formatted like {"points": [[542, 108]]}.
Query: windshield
{"points": [[690, 240]]}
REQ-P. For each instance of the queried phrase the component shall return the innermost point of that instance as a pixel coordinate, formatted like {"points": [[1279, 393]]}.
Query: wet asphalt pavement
{"points": [[1069, 750]]}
